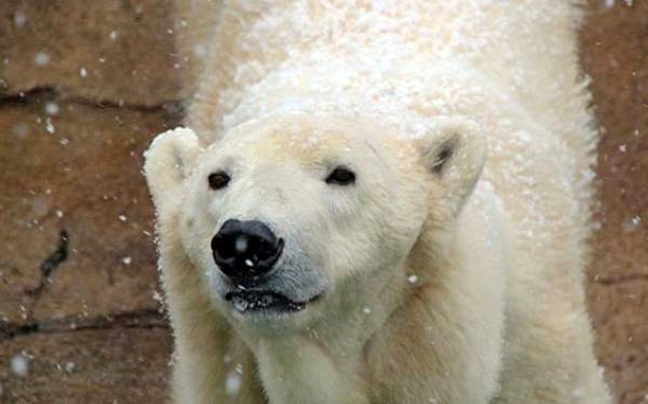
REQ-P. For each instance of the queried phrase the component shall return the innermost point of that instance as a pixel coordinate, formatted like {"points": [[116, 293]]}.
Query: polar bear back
{"points": [[526, 47]]}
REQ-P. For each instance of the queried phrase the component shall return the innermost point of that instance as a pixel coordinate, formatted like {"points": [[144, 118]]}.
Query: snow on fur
{"points": [[509, 66]]}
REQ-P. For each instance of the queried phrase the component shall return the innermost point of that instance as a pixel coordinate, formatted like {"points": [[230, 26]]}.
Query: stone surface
{"points": [[85, 179], [121, 365], [118, 51], [97, 309], [619, 314], [615, 55]]}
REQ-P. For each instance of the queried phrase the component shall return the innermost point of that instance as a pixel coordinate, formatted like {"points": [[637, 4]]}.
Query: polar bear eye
{"points": [[218, 180], [341, 176]]}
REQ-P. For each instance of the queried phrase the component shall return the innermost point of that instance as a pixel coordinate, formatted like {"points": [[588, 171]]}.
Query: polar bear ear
{"points": [[169, 160], [454, 153]]}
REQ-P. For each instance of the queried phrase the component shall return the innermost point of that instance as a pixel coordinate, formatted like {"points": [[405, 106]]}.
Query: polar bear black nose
{"points": [[245, 248]]}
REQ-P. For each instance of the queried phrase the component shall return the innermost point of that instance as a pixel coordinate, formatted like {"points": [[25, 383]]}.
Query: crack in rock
{"points": [[614, 280], [133, 319], [37, 94], [50, 264]]}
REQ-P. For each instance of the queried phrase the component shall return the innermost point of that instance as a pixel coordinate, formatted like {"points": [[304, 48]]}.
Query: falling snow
{"points": [[51, 108], [199, 51], [49, 126], [578, 393], [21, 129], [631, 224], [233, 383], [20, 365], [19, 19], [41, 59]]}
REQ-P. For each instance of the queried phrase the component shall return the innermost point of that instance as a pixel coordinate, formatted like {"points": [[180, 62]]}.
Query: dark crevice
{"points": [[145, 319], [27, 97], [50, 264], [134, 319], [615, 280], [40, 94]]}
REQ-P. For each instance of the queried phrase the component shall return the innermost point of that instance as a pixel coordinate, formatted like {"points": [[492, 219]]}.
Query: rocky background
{"points": [[84, 87]]}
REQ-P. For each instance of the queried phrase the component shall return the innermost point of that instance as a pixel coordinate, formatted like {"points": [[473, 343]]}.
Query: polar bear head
{"points": [[291, 220]]}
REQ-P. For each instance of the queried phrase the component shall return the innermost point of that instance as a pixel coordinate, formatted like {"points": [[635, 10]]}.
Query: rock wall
{"points": [[84, 87], [615, 54]]}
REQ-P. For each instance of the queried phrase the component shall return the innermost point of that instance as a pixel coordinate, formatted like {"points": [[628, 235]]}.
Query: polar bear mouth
{"points": [[260, 300]]}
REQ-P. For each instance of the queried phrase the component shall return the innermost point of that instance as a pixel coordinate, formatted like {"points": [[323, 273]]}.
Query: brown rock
{"points": [[620, 318], [615, 55], [119, 51], [85, 179], [125, 366]]}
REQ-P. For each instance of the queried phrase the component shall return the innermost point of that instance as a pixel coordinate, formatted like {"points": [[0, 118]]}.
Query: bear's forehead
{"points": [[315, 140], [313, 136], [302, 141]]}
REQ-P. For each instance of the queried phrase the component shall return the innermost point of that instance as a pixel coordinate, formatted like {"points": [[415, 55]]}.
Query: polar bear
{"points": [[378, 202]]}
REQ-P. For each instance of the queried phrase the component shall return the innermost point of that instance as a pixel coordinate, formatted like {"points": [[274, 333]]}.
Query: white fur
{"points": [[457, 285]]}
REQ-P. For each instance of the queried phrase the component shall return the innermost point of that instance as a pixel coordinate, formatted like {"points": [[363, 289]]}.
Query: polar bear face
{"points": [[291, 220]]}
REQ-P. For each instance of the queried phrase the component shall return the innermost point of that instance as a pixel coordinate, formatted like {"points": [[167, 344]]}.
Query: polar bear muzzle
{"points": [[245, 249]]}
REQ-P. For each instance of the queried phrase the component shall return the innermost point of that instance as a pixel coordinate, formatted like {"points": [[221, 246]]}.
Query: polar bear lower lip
{"points": [[256, 300]]}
